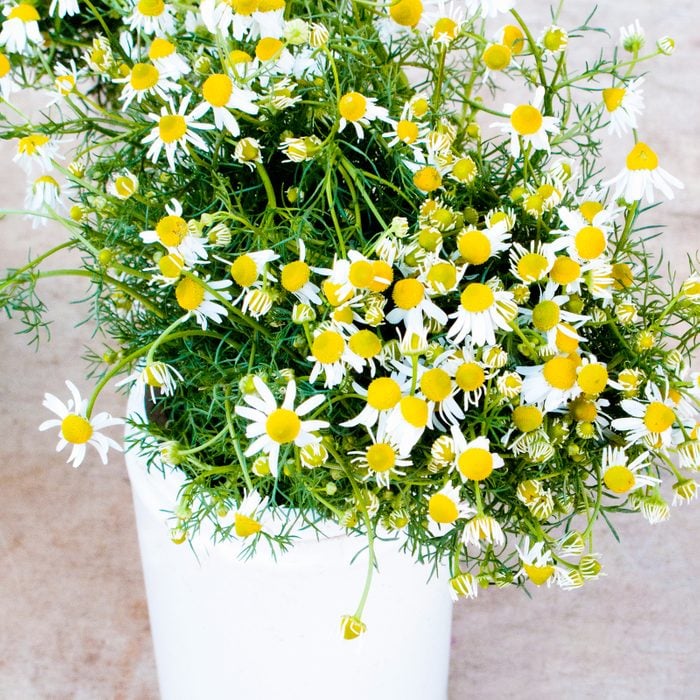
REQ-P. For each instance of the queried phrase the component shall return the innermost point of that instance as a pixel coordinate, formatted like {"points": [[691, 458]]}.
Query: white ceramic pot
{"points": [[262, 629]]}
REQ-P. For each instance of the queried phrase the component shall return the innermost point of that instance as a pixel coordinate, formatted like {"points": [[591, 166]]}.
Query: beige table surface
{"points": [[73, 618]]}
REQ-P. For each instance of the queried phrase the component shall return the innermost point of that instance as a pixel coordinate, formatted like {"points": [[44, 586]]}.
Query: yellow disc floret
{"points": [[641, 157], [658, 417], [76, 429], [408, 293], [560, 372], [381, 457], [244, 271], [171, 127], [527, 418], [217, 89], [295, 275], [477, 297], [283, 425], [442, 508], [526, 120], [593, 378], [436, 384], [383, 393], [352, 106], [619, 479], [365, 343], [475, 463], [328, 347], [406, 13], [189, 293]]}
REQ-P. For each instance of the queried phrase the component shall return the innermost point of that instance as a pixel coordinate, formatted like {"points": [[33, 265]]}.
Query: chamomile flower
{"points": [[7, 83], [632, 37], [528, 126], [76, 429], [549, 317], [248, 517], [174, 132], [445, 508], [144, 80], [163, 54], [272, 426], [483, 528], [156, 376], [412, 305], [650, 422], [537, 562], [534, 263], [585, 238], [43, 198], [550, 385], [220, 95], [356, 109], [251, 270], [331, 355], [623, 105], [295, 277], [200, 297], [469, 375], [443, 21], [642, 175], [151, 17], [65, 81], [21, 28], [408, 420], [482, 309], [490, 8], [476, 246], [621, 476], [123, 185], [383, 458], [381, 396], [474, 460]]}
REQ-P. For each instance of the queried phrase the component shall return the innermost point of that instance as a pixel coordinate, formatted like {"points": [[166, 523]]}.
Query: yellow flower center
{"points": [[464, 170], [560, 372], [546, 315], [154, 373], [590, 209], [436, 384], [527, 418], [658, 417], [623, 275], [414, 411], [442, 276], [407, 131], [408, 293], [361, 274], [619, 479], [4, 65], [171, 265], [365, 343], [538, 574], [612, 97], [244, 271], [25, 12], [295, 275], [641, 157], [332, 292], [583, 410], [420, 107], [445, 27], [593, 378], [532, 267], [469, 376], [383, 393], [245, 526], [172, 127], [270, 5], [189, 293], [513, 36], [328, 347], [442, 508], [151, 8], [427, 179], [477, 297], [283, 425], [144, 76], [565, 270], [381, 457], [125, 186], [407, 13], [160, 48], [590, 242], [564, 341], [237, 56], [475, 463], [344, 315], [474, 247], [496, 57], [526, 120], [382, 276], [352, 106], [76, 429], [243, 7], [171, 230], [29, 145], [217, 89]]}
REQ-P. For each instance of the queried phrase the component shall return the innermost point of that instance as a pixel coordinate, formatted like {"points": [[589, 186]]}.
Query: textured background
{"points": [[74, 619]]}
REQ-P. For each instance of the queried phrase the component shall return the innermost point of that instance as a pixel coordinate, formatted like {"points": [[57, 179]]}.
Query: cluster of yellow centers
{"points": [[76, 429], [24, 12], [151, 8]]}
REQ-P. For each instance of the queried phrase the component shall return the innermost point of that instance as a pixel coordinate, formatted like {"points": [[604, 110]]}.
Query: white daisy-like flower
{"points": [[7, 83], [474, 460], [295, 277], [650, 421], [623, 105], [550, 318], [641, 175], [413, 305], [152, 17], [408, 420], [483, 528], [382, 395], [469, 374], [61, 8], [66, 78], [201, 298], [584, 239], [273, 58], [406, 130], [476, 246], [251, 270], [76, 429], [490, 8], [220, 95], [537, 562], [174, 233], [163, 54], [356, 109], [356, 273], [482, 309], [443, 21], [384, 457], [273, 426], [550, 385], [534, 263], [621, 476], [528, 125], [21, 28], [123, 185], [43, 198], [154, 375], [247, 517], [174, 132], [445, 508], [331, 355], [144, 80]]}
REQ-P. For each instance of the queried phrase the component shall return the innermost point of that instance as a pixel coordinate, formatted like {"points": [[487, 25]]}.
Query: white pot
{"points": [[261, 629]]}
